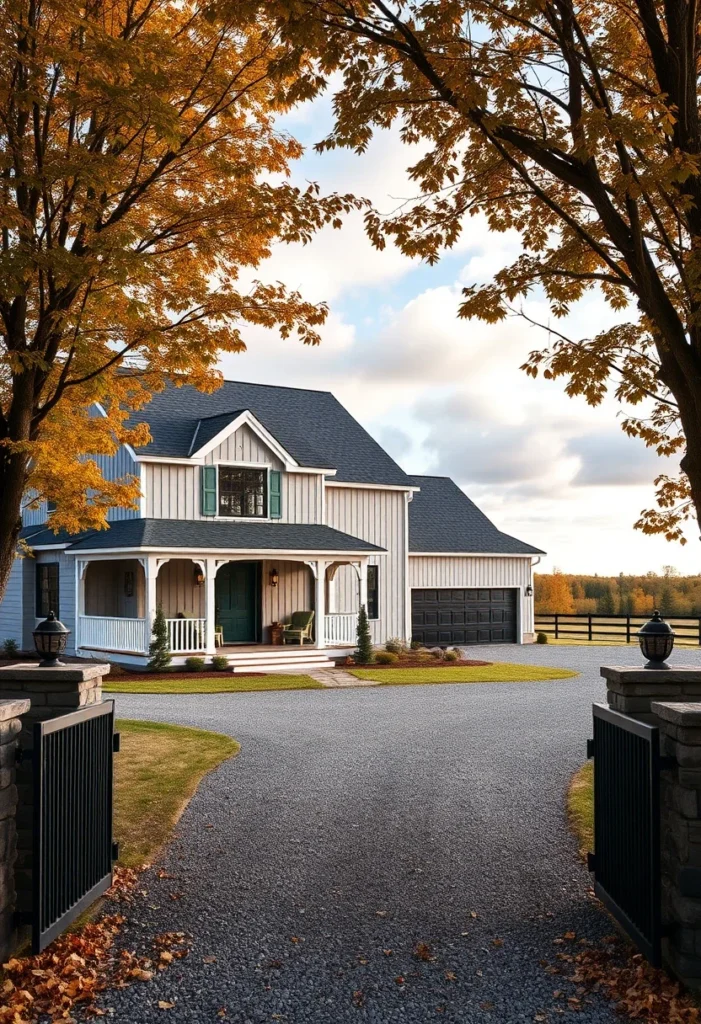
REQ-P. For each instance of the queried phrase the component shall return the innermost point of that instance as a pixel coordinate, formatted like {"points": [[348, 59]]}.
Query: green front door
{"points": [[236, 593]]}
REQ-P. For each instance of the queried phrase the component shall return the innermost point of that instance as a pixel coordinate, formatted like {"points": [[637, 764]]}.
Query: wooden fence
{"points": [[613, 629]]}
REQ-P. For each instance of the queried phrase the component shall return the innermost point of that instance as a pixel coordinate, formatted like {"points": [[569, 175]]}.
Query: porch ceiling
{"points": [[202, 535]]}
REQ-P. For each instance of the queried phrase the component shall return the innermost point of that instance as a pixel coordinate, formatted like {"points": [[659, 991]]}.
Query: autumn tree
{"points": [[573, 122], [142, 181], [553, 594]]}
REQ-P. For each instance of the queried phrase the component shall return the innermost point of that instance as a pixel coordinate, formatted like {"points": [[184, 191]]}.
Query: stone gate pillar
{"points": [[43, 693]]}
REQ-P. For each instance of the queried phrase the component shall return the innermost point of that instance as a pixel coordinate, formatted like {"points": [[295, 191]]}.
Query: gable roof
{"points": [[442, 519], [312, 426], [204, 535]]}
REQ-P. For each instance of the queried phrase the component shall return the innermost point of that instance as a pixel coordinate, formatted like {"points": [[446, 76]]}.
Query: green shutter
{"points": [[275, 494], [209, 490]]}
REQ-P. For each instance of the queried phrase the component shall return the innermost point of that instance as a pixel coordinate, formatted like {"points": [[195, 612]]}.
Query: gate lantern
{"points": [[50, 638], [656, 641]]}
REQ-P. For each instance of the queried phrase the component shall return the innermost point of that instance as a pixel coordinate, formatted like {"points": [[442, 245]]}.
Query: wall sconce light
{"points": [[529, 591], [199, 577], [274, 577]]}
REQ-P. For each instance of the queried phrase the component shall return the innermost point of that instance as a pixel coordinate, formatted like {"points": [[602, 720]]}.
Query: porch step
{"points": [[294, 669], [281, 663]]}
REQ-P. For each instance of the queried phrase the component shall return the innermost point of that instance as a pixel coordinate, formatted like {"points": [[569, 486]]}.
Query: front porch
{"points": [[230, 606]]}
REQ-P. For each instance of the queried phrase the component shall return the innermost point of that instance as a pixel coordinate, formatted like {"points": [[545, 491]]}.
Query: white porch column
{"points": [[210, 576], [320, 603], [150, 564], [363, 583]]}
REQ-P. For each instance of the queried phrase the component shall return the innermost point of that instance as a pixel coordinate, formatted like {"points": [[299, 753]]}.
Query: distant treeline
{"points": [[672, 593]]}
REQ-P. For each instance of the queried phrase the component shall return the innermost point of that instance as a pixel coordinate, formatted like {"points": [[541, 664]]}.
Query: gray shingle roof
{"points": [[311, 425], [205, 535], [443, 519]]}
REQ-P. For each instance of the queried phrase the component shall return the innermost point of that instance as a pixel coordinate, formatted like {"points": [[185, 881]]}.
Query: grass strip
{"points": [[212, 684], [498, 672], [580, 807], [157, 771]]}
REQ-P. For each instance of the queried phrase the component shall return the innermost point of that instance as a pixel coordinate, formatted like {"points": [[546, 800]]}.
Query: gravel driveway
{"points": [[359, 822]]}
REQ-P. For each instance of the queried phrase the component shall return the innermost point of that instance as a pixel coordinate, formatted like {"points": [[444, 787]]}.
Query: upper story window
{"points": [[50, 507], [243, 492]]}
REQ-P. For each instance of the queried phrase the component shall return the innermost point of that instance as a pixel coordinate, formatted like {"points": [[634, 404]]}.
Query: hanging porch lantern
{"points": [[50, 638], [656, 641]]}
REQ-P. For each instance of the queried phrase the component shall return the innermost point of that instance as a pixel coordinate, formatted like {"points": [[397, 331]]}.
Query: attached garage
{"points": [[469, 583], [447, 616]]}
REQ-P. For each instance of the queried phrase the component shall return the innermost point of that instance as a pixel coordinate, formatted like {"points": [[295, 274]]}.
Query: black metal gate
{"points": [[626, 864], [73, 848]]}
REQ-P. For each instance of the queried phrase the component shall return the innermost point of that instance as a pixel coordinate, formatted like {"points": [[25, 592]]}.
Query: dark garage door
{"points": [[455, 616]]}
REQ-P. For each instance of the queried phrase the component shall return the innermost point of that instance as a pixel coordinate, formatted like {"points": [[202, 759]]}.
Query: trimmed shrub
{"points": [[220, 663], [438, 653], [395, 646], [159, 648], [194, 664], [386, 658], [416, 645], [541, 638], [10, 648], [451, 656], [365, 653]]}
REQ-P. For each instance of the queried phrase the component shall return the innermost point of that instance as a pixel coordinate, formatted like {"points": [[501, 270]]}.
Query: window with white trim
{"points": [[243, 492]]}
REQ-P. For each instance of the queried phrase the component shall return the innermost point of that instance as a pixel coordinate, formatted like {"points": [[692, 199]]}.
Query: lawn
{"points": [[157, 771], [225, 683], [580, 807], [498, 672]]}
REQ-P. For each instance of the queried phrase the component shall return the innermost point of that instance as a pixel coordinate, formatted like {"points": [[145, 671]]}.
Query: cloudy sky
{"points": [[446, 396]]}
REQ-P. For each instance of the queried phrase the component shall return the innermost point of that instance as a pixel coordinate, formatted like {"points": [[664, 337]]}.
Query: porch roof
{"points": [[204, 535]]}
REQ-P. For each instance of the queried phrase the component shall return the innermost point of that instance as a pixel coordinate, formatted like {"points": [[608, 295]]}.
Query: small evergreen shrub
{"points": [[541, 638], [451, 656], [386, 658], [395, 646], [416, 645], [194, 664], [10, 648], [365, 653], [159, 648], [220, 663]]}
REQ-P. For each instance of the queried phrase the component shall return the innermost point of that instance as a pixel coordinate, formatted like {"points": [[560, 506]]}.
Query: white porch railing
{"points": [[185, 635], [112, 634], [340, 628]]}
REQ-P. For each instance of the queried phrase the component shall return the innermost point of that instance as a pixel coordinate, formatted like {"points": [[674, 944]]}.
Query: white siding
{"points": [[11, 606], [105, 589], [243, 445], [457, 571], [294, 593], [377, 516], [173, 491], [177, 591]]}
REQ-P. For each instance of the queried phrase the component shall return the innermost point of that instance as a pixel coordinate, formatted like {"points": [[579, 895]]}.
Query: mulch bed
{"points": [[421, 663]]}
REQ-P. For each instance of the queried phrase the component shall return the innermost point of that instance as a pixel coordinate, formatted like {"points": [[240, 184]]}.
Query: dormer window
{"points": [[243, 492]]}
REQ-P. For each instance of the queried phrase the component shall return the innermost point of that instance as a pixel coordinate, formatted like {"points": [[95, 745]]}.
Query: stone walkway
{"points": [[378, 854]]}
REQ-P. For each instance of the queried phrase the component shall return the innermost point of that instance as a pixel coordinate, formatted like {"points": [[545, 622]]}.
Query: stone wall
{"points": [[10, 727]]}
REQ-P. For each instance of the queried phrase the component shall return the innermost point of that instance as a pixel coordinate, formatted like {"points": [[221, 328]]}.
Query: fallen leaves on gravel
{"points": [[639, 991], [423, 951], [79, 965]]}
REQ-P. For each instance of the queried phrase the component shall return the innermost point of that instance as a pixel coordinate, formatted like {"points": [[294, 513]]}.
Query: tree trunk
{"points": [[13, 482]]}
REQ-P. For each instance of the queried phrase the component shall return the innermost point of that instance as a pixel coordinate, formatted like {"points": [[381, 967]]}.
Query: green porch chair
{"points": [[299, 628]]}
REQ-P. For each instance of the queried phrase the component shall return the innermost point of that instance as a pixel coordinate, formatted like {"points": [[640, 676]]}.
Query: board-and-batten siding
{"points": [[112, 467], [455, 571], [173, 491], [377, 516], [66, 594], [294, 593], [105, 589], [12, 604]]}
